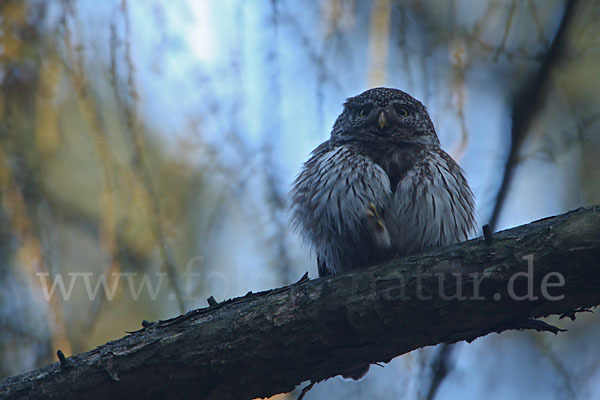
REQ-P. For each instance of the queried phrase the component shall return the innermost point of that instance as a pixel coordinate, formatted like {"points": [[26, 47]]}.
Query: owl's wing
{"points": [[337, 201], [432, 205]]}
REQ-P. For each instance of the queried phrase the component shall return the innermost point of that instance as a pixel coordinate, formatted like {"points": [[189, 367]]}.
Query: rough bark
{"points": [[267, 343]]}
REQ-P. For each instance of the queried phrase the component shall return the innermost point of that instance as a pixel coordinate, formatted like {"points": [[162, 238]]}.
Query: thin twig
{"points": [[306, 390], [527, 104]]}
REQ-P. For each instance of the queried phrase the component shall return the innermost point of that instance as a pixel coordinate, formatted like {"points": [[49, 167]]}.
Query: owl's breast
{"points": [[396, 160]]}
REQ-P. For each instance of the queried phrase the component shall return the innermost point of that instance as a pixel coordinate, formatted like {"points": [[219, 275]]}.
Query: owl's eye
{"points": [[364, 110], [401, 110]]}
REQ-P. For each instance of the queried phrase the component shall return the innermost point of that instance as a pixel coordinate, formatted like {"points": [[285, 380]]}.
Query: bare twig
{"points": [[527, 104]]}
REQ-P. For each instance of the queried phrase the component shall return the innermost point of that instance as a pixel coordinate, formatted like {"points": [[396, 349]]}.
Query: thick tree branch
{"points": [[267, 343]]}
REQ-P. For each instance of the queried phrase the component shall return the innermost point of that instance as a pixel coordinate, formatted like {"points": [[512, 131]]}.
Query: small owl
{"points": [[380, 186]]}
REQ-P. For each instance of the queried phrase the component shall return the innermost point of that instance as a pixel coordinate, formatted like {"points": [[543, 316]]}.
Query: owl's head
{"points": [[385, 113]]}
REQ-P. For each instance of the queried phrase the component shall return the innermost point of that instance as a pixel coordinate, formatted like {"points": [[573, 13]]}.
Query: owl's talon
{"points": [[372, 210], [374, 217], [380, 233]]}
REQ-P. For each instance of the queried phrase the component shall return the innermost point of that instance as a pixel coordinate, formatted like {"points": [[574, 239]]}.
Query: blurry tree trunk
{"points": [[379, 42], [267, 343], [28, 134]]}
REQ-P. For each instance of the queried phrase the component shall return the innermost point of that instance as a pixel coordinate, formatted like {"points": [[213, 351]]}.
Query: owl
{"points": [[380, 186]]}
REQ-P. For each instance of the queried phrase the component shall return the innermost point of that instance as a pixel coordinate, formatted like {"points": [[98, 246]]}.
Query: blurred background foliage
{"points": [[158, 139]]}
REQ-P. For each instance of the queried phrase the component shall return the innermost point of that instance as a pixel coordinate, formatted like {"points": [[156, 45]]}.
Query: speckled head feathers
{"points": [[383, 95]]}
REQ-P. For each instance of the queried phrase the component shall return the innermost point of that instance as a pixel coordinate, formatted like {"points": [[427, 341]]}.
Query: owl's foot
{"points": [[377, 227]]}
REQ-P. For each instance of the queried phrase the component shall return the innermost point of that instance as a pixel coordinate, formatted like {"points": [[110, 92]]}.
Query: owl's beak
{"points": [[381, 120]]}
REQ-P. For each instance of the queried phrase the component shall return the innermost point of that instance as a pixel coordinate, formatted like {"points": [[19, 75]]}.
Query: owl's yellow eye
{"points": [[364, 111], [401, 110]]}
